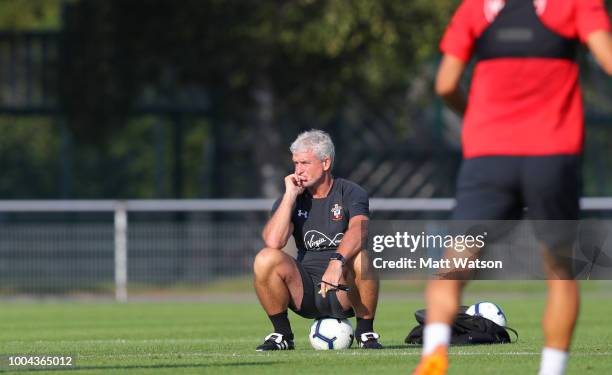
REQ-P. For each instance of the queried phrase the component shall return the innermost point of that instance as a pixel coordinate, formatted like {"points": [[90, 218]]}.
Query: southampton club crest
{"points": [[336, 212]]}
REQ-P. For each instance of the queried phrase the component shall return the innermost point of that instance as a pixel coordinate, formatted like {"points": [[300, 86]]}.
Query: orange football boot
{"points": [[435, 363]]}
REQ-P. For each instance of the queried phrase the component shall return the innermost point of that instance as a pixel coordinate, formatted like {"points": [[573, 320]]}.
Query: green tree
{"points": [[250, 65], [29, 14]]}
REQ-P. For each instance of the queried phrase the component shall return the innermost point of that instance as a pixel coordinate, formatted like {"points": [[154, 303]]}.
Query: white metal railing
{"points": [[121, 266], [256, 204], [122, 207]]}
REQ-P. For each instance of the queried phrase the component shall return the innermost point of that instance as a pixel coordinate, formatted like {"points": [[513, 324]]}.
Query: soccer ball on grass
{"points": [[331, 334]]}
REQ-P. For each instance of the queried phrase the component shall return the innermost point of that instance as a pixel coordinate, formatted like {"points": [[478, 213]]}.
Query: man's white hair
{"points": [[316, 141]]}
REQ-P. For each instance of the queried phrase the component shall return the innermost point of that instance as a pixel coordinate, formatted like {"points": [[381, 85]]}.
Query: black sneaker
{"points": [[275, 341], [369, 340]]}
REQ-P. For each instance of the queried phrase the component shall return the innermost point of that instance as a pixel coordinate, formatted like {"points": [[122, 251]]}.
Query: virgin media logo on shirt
{"points": [[313, 239]]}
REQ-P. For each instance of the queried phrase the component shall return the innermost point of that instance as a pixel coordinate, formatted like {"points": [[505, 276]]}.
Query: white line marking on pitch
{"points": [[343, 353], [131, 341]]}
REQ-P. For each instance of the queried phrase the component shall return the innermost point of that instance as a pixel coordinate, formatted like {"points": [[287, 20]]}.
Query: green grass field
{"points": [[220, 337]]}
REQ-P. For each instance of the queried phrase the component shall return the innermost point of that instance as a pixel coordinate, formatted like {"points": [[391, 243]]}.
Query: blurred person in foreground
{"points": [[522, 140], [327, 217]]}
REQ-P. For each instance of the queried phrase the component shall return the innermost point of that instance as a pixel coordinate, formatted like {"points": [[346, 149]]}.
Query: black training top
{"points": [[517, 31], [319, 223]]}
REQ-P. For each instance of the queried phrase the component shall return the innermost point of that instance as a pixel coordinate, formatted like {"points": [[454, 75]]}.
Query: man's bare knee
{"points": [[359, 267], [266, 259], [272, 260]]}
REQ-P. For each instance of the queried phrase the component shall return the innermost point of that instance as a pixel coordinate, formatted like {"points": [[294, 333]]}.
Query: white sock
{"points": [[435, 334], [553, 362]]}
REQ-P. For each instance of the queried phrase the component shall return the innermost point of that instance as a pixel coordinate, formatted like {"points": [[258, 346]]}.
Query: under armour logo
{"points": [[303, 213]]}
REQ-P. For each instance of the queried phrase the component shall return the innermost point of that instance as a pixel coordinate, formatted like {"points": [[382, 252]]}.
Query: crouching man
{"points": [[327, 217]]}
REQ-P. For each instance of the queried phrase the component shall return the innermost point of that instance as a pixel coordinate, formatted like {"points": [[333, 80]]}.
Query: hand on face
{"points": [[294, 184]]}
